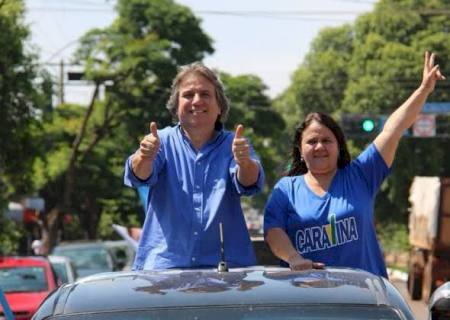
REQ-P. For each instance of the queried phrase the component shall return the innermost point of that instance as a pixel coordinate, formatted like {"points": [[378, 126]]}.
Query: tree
{"points": [[23, 100], [319, 84], [372, 66], [134, 60], [251, 107]]}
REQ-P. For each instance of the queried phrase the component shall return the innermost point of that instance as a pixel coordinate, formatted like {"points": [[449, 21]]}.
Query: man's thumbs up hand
{"points": [[239, 131], [154, 129], [240, 148], [150, 144]]}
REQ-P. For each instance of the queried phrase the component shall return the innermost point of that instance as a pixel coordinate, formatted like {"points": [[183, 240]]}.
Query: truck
{"points": [[429, 235]]}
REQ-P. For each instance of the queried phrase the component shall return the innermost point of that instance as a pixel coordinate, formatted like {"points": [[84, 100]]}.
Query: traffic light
{"points": [[361, 125], [368, 125]]}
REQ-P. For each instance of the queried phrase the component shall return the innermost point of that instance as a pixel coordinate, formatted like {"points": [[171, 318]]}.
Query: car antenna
{"points": [[222, 266]]}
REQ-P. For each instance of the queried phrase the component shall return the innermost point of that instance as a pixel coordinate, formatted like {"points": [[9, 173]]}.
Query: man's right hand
{"points": [[142, 160], [149, 145]]}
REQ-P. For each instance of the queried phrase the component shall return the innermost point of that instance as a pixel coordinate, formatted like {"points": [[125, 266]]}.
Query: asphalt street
{"points": [[419, 308]]}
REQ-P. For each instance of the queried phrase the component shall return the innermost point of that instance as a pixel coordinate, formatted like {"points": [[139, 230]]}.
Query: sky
{"points": [[267, 38]]}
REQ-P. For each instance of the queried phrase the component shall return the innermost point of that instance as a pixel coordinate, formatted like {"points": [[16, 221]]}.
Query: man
{"points": [[196, 172]]}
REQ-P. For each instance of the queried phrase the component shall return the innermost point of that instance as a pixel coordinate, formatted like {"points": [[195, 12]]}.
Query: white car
{"points": [[64, 268]]}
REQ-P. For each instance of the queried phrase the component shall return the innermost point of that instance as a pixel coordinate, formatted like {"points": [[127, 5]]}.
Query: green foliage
{"points": [[73, 228], [10, 236], [139, 54], [167, 21], [134, 60], [372, 66], [16, 97], [320, 82], [393, 237], [113, 213], [251, 107], [24, 94]]}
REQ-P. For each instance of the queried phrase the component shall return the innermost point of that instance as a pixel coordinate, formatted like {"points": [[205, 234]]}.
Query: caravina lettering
{"points": [[335, 233]]}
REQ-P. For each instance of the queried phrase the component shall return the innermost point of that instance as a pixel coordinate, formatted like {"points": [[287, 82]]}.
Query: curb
{"points": [[395, 274]]}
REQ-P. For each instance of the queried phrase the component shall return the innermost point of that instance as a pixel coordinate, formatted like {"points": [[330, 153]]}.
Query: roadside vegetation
{"points": [[72, 155]]}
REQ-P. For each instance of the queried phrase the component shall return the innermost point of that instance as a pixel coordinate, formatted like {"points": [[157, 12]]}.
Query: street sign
{"points": [[436, 107], [35, 203], [425, 126], [15, 211], [382, 120]]}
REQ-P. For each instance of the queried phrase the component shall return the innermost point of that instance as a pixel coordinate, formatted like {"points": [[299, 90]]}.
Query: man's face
{"points": [[197, 103]]}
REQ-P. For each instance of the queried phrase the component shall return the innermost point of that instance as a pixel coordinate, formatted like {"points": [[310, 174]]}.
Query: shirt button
{"points": [[195, 233], [193, 259]]}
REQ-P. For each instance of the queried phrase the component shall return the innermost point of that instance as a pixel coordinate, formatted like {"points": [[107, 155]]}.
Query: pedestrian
{"points": [[37, 247], [196, 172], [322, 212]]}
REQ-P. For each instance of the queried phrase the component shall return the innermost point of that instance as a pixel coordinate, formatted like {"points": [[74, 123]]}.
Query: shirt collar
{"points": [[218, 131]]}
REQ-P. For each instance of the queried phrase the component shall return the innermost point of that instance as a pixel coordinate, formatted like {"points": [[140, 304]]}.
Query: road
{"points": [[419, 308]]}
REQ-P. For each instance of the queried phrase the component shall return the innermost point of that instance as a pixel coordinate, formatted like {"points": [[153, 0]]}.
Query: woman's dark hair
{"points": [[298, 165]]}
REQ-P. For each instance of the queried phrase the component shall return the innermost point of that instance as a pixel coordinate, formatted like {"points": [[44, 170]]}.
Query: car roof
{"points": [[246, 286], [114, 243], [440, 299], [18, 261], [58, 259], [79, 245]]}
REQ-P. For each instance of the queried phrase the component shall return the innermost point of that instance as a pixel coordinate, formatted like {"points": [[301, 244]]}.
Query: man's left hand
{"points": [[241, 148]]}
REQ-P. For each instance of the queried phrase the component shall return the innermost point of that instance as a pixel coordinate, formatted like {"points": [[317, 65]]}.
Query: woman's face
{"points": [[319, 149]]}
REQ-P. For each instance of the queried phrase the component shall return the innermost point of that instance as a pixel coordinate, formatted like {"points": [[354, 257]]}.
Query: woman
{"points": [[321, 213]]}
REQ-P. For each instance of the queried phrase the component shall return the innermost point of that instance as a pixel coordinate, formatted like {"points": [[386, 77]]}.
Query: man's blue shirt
{"points": [[190, 193]]}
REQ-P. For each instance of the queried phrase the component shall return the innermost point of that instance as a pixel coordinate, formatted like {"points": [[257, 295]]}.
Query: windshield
{"points": [[87, 258], [61, 271], [317, 312], [23, 279]]}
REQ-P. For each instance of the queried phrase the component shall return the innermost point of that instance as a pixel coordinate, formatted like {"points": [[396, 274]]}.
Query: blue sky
{"points": [[268, 38]]}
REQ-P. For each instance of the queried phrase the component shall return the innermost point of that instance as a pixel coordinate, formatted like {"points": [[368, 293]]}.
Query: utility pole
{"points": [[61, 82]]}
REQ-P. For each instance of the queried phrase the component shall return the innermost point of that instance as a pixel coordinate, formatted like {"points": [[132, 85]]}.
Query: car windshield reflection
{"points": [[60, 270], [87, 258], [24, 279]]}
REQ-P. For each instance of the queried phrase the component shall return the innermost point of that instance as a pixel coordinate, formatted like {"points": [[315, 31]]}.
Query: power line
{"points": [[215, 12], [57, 52], [273, 15], [358, 1], [283, 15]]}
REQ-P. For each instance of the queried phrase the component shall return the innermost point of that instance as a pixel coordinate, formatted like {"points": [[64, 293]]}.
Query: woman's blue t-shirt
{"points": [[338, 227]]}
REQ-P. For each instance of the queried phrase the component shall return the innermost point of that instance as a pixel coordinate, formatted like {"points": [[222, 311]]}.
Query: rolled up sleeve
{"points": [[131, 180]]}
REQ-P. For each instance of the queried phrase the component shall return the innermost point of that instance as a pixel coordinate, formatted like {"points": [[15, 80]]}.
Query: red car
{"points": [[26, 282]]}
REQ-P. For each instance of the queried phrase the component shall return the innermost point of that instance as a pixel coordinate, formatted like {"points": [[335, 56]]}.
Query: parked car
{"points": [[247, 293], [440, 303], [26, 282], [64, 268], [89, 257], [123, 254]]}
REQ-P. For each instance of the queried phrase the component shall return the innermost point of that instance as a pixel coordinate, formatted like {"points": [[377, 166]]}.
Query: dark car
{"points": [[249, 293], [439, 304]]}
